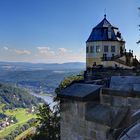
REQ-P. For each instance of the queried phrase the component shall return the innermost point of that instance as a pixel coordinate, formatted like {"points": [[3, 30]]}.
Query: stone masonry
{"points": [[97, 112]]}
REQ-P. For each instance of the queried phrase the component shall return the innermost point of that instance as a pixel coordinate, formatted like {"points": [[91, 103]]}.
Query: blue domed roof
{"points": [[104, 31]]}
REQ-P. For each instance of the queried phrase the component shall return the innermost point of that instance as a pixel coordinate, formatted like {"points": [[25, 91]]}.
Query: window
{"points": [[112, 48], [97, 49], [87, 49], [105, 48], [91, 49], [104, 56], [113, 55]]}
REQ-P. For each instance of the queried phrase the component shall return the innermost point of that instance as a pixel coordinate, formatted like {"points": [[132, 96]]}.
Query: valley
{"points": [[22, 89]]}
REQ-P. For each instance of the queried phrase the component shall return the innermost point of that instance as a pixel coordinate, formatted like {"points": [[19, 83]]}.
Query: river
{"points": [[47, 98]]}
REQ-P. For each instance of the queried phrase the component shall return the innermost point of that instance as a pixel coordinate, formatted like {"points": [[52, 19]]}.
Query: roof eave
{"points": [[105, 40]]}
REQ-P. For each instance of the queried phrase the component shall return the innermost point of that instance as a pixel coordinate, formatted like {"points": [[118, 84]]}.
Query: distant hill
{"points": [[46, 80], [15, 97], [40, 66], [38, 77]]}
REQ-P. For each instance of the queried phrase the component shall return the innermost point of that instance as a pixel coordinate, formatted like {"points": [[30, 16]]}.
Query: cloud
{"points": [[17, 51], [45, 50], [63, 50], [6, 48], [46, 54], [42, 54]]}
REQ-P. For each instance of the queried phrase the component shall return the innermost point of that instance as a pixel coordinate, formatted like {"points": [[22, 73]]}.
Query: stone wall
{"points": [[122, 100], [74, 126], [85, 117]]}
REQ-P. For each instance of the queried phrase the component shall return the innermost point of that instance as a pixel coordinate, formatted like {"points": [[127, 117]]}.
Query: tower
{"points": [[104, 44]]}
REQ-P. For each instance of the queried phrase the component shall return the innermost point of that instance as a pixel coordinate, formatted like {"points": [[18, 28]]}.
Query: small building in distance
{"points": [[106, 46]]}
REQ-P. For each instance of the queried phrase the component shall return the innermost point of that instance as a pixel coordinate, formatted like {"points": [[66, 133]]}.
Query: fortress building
{"points": [[106, 46], [106, 104]]}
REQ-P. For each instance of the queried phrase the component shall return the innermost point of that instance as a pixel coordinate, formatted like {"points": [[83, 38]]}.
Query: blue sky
{"points": [[51, 31]]}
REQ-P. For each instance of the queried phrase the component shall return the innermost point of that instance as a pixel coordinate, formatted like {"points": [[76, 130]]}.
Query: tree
{"points": [[48, 124], [67, 81], [49, 119]]}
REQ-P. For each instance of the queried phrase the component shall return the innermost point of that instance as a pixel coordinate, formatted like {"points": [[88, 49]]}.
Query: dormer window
{"points": [[109, 32], [119, 34]]}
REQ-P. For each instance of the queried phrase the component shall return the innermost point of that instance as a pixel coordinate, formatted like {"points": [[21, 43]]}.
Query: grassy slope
{"points": [[24, 134], [22, 117], [1, 105]]}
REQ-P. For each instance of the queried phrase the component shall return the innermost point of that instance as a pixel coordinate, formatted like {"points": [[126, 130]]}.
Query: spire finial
{"points": [[105, 13]]}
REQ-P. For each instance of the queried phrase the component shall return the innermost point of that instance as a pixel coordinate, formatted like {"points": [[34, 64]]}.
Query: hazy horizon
{"points": [[56, 31], [39, 62]]}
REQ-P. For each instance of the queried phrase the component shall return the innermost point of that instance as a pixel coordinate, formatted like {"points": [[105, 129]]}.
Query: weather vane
{"points": [[105, 12]]}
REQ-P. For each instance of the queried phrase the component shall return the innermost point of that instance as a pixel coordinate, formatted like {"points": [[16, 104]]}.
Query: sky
{"points": [[55, 31]]}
